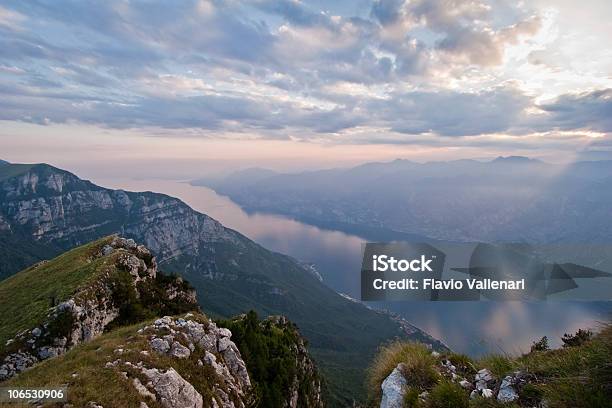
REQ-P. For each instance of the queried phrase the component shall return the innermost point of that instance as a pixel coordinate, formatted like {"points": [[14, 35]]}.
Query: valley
{"points": [[336, 255]]}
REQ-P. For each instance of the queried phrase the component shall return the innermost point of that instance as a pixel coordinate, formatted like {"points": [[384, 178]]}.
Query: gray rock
{"points": [[208, 341], [507, 393], [179, 351], [393, 389], [47, 352], [107, 250], [159, 345], [236, 365], [223, 332], [220, 369], [166, 320], [172, 390], [142, 390], [130, 244], [224, 343], [485, 375]]}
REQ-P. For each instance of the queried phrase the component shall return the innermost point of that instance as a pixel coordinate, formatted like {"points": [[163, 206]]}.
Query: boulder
{"points": [[159, 345], [507, 393], [179, 351], [484, 375], [172, 389], [394, 389]]}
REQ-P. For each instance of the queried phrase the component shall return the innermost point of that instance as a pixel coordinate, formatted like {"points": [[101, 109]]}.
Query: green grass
{"points": [[447, 395], [463, 363], [499, 365], [27, 296]]}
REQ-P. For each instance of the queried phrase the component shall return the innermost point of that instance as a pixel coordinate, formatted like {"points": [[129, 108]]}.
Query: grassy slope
{"points": [[576, 377], [87, 360], [106, 386], [26, 296]]}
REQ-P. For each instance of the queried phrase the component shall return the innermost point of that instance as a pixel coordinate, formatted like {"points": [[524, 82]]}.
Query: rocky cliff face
{"points": [[56, 206], [200, 342], [305, 390], [93, 307]]}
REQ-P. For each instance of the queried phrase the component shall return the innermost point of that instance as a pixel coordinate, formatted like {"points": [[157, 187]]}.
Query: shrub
{"points": [[463, 363], [540, 345], [268, 352], [411, 398], [577, 339], [530, 395], [447, 395]]}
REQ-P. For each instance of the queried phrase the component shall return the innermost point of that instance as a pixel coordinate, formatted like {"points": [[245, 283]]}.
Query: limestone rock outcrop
{"points": [[87, 313]]}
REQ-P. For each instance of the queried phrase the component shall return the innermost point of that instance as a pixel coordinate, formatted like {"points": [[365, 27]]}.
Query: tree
{"points": [[577, 339], [540, 345]]}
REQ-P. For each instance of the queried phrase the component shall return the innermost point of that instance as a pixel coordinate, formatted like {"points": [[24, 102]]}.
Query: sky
{"points": [[177, 89]]}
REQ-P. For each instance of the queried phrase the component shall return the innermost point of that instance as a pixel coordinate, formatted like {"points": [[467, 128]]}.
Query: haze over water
{"points": [[475, 328]]}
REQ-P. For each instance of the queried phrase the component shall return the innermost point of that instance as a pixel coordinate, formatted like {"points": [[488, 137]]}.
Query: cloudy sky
{"points": [[302, 83]]}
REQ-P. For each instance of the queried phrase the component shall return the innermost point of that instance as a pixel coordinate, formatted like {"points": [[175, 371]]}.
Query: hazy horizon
{"points": [[122, 88]]}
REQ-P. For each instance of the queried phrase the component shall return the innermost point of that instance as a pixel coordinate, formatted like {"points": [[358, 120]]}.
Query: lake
{"points": [[475, 328]]}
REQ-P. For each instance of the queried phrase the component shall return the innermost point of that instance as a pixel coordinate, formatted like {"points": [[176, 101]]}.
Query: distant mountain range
{"points": [[506, 199], [45, 211]]}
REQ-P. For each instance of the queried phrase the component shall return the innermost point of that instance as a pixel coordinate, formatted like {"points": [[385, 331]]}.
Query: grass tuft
{"points": [[447, 395], [420, 371], [499, 365]]}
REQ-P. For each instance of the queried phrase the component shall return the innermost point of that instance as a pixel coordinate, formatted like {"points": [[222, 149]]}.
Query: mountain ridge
{"points": [[56, 210], [103, 330], [504, 199]]}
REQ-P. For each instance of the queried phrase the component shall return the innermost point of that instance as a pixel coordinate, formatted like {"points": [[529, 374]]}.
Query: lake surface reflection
{"points": [[474, 328]]}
